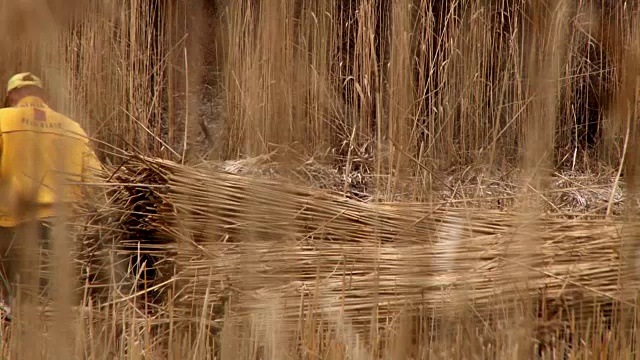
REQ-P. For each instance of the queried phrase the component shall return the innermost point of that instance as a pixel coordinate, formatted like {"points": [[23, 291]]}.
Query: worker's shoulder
{"points": [[43, 118], [10, 116], [9, 112], [67, 121], [60, 117]]}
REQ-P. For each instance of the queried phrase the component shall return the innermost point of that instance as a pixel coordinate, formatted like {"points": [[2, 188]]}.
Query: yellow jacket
{"points": [[41, 153]]}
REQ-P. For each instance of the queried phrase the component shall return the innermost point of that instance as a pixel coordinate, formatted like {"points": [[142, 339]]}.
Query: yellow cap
{"points": [[23, 79]]}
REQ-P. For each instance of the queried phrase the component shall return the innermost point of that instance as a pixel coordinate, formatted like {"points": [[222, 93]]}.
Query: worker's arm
{"points": [[3, 181], [91, 165], [91, 171]]}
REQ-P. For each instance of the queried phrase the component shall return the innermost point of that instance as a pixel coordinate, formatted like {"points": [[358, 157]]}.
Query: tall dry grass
{"points": [[396, 89], [118, 68], [442, 84], [419, 84]]}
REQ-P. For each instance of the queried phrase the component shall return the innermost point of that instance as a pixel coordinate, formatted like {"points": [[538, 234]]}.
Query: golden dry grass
{"points": [[479, 109], [240, 257]]}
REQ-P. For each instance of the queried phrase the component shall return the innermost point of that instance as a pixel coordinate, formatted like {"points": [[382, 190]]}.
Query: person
{"points": [[44, 156]]}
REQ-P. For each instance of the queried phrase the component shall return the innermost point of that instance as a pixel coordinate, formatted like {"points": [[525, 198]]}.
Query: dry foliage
{"points": [[505, 128], [249, 254]]}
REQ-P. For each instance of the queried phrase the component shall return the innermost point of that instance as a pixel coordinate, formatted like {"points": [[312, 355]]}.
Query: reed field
{"points": [[339, 179]]}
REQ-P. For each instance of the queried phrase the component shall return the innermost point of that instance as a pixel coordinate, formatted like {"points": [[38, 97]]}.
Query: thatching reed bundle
{"points": [[267, 247], [117, 244]]}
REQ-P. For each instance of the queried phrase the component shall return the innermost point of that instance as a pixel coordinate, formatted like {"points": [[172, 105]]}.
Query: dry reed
{"points": [[390, 94], [267, 248]]}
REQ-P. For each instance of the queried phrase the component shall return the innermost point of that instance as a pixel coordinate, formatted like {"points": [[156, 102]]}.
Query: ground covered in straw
{"points": [[256, 255], [567, 193]]}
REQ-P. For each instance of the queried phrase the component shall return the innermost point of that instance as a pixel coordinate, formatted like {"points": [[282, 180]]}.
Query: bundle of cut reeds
{"points": [[117, 246], [268, 247]]}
